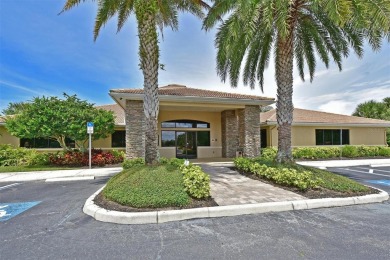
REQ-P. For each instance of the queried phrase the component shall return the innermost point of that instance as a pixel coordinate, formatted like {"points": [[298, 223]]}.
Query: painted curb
{"points": [[81, 178], [156, 217]]}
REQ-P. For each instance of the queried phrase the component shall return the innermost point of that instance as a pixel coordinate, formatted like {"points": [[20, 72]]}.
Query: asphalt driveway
{"points": [[56, 228]]}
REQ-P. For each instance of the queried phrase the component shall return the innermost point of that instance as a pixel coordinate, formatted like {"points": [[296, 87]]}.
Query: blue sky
{"points": [[43, 53]]}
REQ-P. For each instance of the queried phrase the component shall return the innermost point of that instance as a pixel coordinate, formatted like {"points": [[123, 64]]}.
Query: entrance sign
{"points": [[90, 132], [10, 210]]}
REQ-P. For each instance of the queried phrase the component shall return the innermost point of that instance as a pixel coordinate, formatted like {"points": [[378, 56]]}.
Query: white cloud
{"points": [[337, 106], [20, 87]]}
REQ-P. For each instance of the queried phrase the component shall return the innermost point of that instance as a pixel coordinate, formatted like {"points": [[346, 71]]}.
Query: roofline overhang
{"points": [[272, 123], [190, 99]]}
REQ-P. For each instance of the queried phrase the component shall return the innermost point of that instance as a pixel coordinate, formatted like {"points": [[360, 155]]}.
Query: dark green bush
{"points": [[148, 187]]}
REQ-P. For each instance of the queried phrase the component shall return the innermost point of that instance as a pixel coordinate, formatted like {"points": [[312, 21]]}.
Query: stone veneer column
{"points": [[249, 130], [229, 133], [135, 129]]}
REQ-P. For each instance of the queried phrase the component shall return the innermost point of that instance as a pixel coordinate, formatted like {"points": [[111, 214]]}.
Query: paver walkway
{"points": [[228, 187]]}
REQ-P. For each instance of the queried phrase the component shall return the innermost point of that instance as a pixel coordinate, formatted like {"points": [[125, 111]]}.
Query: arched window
{"points": [[185, 124]]}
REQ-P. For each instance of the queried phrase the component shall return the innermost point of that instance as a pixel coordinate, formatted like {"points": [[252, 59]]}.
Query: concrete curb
{"points": [[156, 217]]}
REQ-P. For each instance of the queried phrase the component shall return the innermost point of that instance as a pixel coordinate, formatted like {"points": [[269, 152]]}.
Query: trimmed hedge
{"points": [[330, 152], [294, 175], [281, 175]]}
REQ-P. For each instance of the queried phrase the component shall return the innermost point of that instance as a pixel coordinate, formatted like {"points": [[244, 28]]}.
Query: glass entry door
{"points": [[186, 144]]}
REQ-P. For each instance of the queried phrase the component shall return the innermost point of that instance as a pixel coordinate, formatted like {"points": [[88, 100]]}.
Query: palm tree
{"points": [[150, 14], [294, 29]]}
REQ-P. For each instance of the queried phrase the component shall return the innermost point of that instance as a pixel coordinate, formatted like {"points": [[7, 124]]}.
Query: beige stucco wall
{"points": [[214, 118], [105, 143], [6, 138], [305, 135]]}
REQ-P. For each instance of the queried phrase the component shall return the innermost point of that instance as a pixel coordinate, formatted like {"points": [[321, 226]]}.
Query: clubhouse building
{"points": [[196, 123]]}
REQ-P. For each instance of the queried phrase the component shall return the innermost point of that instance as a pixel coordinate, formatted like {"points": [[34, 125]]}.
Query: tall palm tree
{"points": [[150, 14], [294, 29]]}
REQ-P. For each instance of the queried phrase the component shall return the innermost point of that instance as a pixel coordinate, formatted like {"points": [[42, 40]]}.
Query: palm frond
{"points": [[106, 10], [125, 9]]}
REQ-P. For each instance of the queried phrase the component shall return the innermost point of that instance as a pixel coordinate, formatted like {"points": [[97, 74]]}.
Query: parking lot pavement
{"points": [[376, 176], [56, 228]]}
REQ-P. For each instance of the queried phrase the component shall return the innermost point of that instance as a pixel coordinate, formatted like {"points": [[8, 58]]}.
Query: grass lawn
{"points": [[5, 169], [148, 187]]}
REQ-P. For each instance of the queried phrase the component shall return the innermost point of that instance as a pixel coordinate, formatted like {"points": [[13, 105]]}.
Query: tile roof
{"points": [[180, 90], [119, 113], [304, 116]]}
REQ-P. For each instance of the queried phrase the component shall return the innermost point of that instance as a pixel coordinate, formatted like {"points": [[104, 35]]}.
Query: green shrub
{"points": [[315, 152], [383, 151], [40, 159], [18, 156], [196, 182], [243, 163], [329, 152], [282, 175], [118, 155], [147, 187], [291, 177], [176, 162], [268, 153], [130, 163], [349, 151]]}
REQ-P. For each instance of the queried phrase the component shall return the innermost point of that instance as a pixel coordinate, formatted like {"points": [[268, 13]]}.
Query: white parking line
{"points": [[380, 165], [83, 178], [370, 170], [9, 186], [364, 172]]}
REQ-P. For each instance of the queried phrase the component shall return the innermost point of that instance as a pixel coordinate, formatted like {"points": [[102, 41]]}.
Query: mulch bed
{"points": [[319, 193], [110, 205]]}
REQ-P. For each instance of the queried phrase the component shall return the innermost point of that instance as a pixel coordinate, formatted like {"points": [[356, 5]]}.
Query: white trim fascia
{"points": [[191, 99], [331, 124]]}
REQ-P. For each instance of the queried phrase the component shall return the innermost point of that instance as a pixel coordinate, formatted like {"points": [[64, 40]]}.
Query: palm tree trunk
{"points": [[149, 62], [284, 104]]}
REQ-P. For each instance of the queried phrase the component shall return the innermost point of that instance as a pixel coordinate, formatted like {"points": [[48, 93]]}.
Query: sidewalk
{"points": [[228, 187], [44, 175]]}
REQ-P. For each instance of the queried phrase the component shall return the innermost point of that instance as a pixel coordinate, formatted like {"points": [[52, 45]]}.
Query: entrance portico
{"points": [[195, 123]]}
